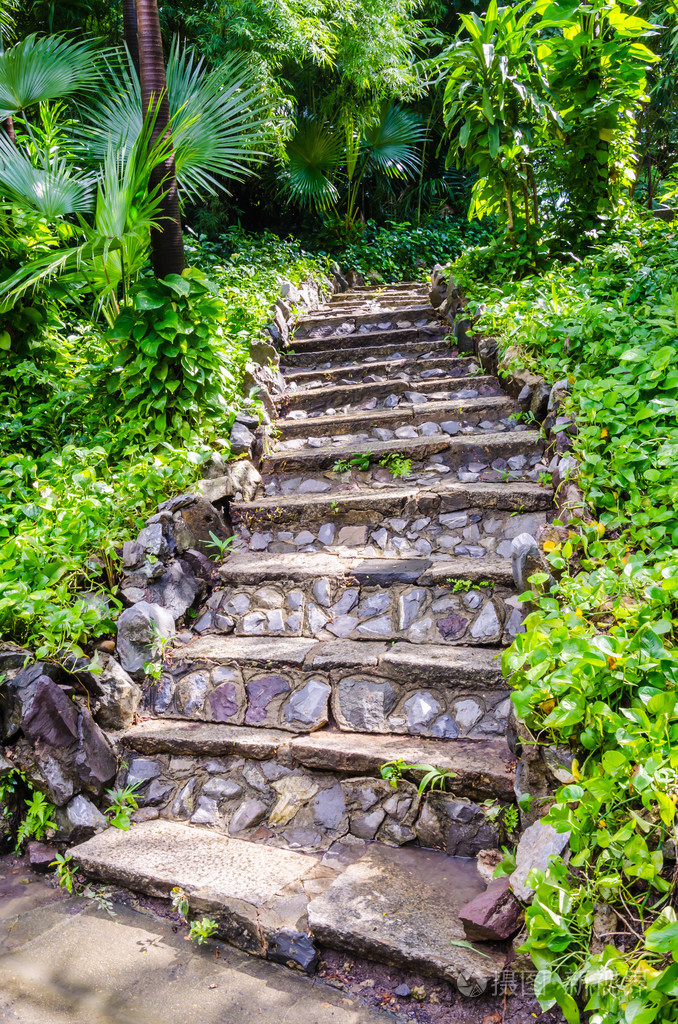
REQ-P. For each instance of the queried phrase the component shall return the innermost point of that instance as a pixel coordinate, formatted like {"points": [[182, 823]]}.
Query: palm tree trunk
{"points": [[129, 23], [7, 126], [167, 244]]}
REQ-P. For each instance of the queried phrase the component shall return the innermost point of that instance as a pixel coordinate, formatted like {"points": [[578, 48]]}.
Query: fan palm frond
{"points": [[53, 189], [391, 142], [314, 154], [219, 118], [117, 243], [39, 69]]}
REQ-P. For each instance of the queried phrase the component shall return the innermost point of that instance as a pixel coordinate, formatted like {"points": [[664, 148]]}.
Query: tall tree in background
{"points": [[129, 23], [167, 246]]}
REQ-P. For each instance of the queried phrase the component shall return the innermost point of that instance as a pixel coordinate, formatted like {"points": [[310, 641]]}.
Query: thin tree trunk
{"points": [[167, 244], [129, 22], [533, 188], [7, 127]]}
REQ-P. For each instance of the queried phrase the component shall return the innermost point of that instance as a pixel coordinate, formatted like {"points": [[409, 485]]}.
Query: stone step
{"points": [[387, 351], [401, 907], [292, 683], [348, 300], [482, 768], [326, 595], [396, 523], [455, 451], [363, 395], [464, 412], [349, 339], [454, 366], [258, 895], [323, 325], [264, 899]]}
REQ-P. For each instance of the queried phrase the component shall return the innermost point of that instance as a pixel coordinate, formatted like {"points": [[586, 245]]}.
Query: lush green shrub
{"points": [[92, 436], [402, 252], [597, 667], [177, 368]]}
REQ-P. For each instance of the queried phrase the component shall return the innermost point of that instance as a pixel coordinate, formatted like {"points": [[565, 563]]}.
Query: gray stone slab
{"points": [[167, 736], [252, 891], [483, 768], [381, 906], [248, 650]]}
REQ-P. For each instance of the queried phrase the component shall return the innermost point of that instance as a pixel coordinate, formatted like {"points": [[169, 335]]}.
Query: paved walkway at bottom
{"points": [[62, 961]]}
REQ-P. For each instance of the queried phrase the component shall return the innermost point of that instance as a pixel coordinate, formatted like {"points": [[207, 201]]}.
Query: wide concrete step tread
{"points": [[416, 448], [251, 568], [264, 898], [480, 766], [428, 664], [439, 497], [254, 892], [401, 906]]}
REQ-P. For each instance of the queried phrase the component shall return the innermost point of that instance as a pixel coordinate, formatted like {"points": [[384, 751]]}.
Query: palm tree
{"points": [[218, 122], [167, 243], [326, 161]]}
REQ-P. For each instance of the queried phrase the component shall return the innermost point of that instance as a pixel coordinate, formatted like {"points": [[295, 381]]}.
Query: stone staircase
{"points": [[358, 620]]}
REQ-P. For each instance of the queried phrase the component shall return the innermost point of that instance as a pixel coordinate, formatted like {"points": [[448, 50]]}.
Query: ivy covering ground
{"points": [[597, 667], [97, 426]]}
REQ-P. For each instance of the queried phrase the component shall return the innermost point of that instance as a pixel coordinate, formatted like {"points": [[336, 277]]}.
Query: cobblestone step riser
{"points": [[329, 357], [360, 396], [466, 412], [474, 533], [349, 339], [324, 325], [472, 453], [449, 422], [456, 611], [452, 365], [282, 804]]}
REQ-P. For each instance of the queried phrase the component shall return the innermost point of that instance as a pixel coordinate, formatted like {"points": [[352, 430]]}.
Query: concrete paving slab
{"points": [[134, 969]]}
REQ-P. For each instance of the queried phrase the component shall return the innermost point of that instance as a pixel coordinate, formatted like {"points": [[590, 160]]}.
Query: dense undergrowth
{"points": [[405, 252], [597, 667], [97, 425]]}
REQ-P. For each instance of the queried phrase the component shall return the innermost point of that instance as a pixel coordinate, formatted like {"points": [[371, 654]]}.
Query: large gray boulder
{"points": [[141, 632]]}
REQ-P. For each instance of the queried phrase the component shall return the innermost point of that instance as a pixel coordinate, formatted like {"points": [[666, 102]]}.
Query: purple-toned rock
{"points": [[452, 627], [260, 693], [223, 702], [41, 855], [494, 915], [50, 717], [94, 761]]}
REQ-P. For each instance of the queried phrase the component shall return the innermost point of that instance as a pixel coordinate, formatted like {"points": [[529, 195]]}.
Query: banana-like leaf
{"points": [[39, 69], [220, 118], [392, 142], [116, 245], [314, 154], [53, 189]]}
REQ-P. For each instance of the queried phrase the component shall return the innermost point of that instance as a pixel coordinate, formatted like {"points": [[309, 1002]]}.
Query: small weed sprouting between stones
{"points": [[222, 546], [63, 870], [434, 778], [202, 930], [122, 804], [360, 461], [199, 931], [396, 463], [64, 873]]}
